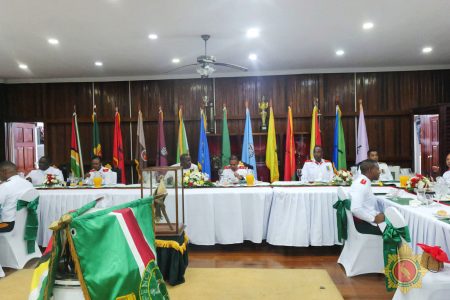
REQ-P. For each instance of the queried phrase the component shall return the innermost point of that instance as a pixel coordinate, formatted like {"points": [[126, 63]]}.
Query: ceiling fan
{"points": [[205, 63]]}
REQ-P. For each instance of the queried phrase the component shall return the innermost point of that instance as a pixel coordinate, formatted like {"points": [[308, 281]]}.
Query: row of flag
{"points": [[203, 159]]}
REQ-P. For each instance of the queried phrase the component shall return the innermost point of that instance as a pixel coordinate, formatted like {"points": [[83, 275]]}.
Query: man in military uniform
{"points": [[12, 187], [317, 169], [368, 211], [385, 173], [235, 171], [109, 177], [39, 176]]}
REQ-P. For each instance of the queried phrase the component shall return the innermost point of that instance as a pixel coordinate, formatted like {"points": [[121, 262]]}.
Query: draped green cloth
{"points": [[341, 218], [31, 225], [171, 262], [392, 238]]}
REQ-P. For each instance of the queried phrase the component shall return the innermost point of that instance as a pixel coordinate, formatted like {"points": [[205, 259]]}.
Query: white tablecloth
{"points": [[303, 216], [212, 216], [423, 225]]}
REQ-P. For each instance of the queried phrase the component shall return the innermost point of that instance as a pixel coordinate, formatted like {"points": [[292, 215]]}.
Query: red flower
{"points": [[191, 184]]}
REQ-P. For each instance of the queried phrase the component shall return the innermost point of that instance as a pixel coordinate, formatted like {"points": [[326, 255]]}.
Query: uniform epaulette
{"points": [[242, 167], [227, 167], [363, 181], [325, 160], [308, 160], [105, 170]]}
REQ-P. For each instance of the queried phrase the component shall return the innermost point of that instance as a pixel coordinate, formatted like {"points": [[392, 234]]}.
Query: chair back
{"points": [[21, 215], [29, 195], [342, 194], [395, 171]]}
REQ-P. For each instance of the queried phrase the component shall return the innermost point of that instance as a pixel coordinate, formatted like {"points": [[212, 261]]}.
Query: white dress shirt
{"points": [[10, 192], [314, 171], [109, 177], [385, 173], [446, 176], [228, 174], [38, 177], [180, 175], [365, 205]]}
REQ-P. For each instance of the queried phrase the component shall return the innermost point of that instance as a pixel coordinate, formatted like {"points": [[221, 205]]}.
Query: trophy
{"points": [[209, 111], [263, 106]]}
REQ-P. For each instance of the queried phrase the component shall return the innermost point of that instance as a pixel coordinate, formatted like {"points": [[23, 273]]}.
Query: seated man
{"points": [[185, 162], [366, 208], [39, 176], [384, 169], [446, 174], [235, 171], [12, 187], [317, 169], [109, 177]]}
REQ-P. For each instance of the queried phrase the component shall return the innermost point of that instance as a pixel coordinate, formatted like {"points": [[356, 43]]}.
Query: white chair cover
{"points": [[67, 290], [362, 253], [395, 170], [435, 286], [13, 247], [2, 274]]}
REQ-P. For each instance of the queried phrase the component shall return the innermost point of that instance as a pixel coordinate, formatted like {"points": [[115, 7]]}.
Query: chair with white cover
{"points": [[13, 247], [395, 170], [2, 274], [362, 253]]}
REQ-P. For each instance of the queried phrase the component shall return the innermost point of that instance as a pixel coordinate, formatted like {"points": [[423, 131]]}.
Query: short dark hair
{"points": [[366, 165], [317, 146], [96, 157], [184, 155], [47, 158], [371, 150], [6, 164], [234, 157]]}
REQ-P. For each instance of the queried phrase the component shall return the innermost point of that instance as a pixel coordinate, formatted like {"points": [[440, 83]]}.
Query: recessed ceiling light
{"points": [[253, 56], [153, 36], [53, 41], [176, 60], [252, 32], [98, 63], [367, 25], [340, 52], [427, 49], [23, 66]]}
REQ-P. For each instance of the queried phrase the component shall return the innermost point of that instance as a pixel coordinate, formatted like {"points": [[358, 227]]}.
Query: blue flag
{"points": [[204, 163], [248, 150]]}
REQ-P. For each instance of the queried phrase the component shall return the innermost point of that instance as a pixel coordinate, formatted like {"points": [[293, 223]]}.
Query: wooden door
{"points": [[429, 142], [24, 146]]}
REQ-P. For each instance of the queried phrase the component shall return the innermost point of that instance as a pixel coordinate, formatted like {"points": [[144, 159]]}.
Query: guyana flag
{"points": [[182, 146], [96, 146], [76, 159], [339, 153], [123, 232]]}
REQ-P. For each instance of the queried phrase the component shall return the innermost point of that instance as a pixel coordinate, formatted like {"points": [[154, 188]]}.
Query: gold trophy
{"points": [[263, 105]]}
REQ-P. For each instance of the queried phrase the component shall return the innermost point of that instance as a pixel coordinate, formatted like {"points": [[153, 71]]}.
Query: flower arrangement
{"points": [[419, 181], [51, 180], [193, 178], [342, 177]]}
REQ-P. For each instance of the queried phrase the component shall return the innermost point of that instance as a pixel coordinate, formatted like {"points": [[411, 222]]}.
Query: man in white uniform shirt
{"points": [[317, 169], [12, 187], [446, 174], [385, 173], [367, 210], [39, 176], [109, 177], [235, 171], [185, 162]]}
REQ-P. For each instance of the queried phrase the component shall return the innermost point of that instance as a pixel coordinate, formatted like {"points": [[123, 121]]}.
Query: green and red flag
{"points": [[76, 159], [96, 145], [125, 233], [118, 157], [289, 156], [182, 146]]}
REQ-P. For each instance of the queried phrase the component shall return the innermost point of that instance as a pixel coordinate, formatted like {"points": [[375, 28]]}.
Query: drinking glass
{"points": [[97, 180], [403, 180], [299, 173], [250, 178]]}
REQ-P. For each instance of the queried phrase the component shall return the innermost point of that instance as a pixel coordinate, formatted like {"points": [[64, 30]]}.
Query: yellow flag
{"points": [[271, 150]]}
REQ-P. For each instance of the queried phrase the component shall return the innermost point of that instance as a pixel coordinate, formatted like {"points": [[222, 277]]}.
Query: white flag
{"points": [[362, 143]]}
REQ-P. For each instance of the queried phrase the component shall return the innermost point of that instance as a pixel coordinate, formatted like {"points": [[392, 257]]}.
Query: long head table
{"points": [[289, 215]]}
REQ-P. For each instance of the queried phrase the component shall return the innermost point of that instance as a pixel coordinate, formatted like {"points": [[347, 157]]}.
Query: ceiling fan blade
{"points": [[182, 67], [231, 66]]}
